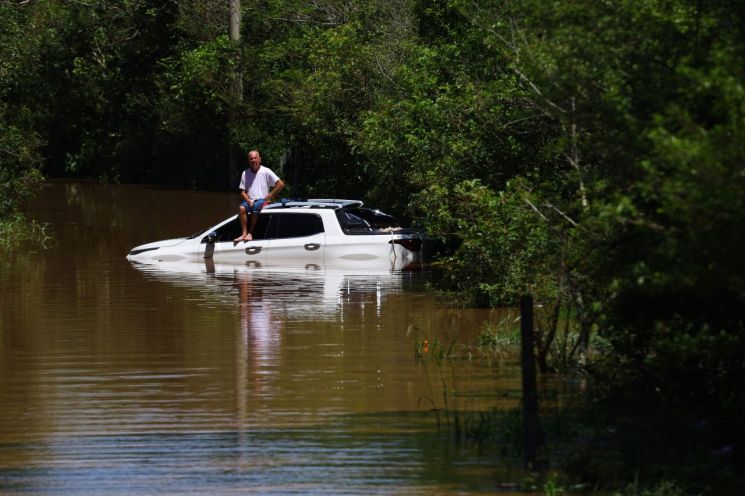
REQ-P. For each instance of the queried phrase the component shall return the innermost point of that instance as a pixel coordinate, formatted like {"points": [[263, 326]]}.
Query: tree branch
{"points": [[555, 209], [530, 204]]}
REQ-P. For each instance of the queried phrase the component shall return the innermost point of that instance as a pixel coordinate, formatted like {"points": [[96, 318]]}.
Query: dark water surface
{"points": [[193, 379]]}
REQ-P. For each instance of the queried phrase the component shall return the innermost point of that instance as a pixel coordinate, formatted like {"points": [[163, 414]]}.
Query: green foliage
{"points": [[19, 159], [502, 243], [92, 97], [194, 92], [625, 203], [313, 73], [670, 264], [19, 143]]}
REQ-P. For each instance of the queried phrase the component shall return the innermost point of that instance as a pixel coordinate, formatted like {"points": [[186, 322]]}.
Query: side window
{"points": [[297, 225], [262, 226], [227, 232], [232, 229]]}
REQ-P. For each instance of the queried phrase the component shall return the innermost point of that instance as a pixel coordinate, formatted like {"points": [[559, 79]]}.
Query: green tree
{"points": [[19, 143]]}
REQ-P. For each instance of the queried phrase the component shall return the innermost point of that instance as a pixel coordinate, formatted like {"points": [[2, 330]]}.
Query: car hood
{"points": [[159, 244]]}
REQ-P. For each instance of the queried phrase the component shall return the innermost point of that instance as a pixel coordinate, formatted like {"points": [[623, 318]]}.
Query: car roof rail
{"points": [[315, 203], [337, 201]]}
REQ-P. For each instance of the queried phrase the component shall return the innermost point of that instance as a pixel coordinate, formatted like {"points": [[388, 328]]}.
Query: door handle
{"points": [[253, 250], [312, 246]]}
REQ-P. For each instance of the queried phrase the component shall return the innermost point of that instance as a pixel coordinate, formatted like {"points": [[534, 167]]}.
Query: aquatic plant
{"points": [[17, 229]]}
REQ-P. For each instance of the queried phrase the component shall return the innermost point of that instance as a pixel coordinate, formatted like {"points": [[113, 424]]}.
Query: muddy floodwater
{"points": [[196, 379]]}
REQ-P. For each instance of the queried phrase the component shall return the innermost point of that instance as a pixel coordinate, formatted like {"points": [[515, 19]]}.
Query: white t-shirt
{"points": [[257, 185]]}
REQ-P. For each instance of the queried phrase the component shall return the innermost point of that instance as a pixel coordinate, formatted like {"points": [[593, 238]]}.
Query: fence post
{"points": [[531, 427]]}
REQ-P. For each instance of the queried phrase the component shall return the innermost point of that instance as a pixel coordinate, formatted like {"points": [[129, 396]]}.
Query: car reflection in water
{"points": [[312, 292]]}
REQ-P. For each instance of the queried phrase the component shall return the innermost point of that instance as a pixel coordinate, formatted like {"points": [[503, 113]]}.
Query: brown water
{"points": [[116, 379]]}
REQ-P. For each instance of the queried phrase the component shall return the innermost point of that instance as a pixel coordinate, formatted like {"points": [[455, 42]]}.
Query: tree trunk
{"points": [[234, 152]]}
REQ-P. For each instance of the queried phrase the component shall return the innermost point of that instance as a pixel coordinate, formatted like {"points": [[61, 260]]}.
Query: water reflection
{"points": [[310, 292], [257, 349]]}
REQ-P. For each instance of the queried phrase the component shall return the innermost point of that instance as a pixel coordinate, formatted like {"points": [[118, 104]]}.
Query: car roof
{"points": [[333, 203]]}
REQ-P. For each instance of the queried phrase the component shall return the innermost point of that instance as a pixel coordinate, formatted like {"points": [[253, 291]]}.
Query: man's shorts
{"points": [[258, 205]]}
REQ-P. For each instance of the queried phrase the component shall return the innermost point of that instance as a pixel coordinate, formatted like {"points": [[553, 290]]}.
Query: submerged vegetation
{"points": [[588, 153]]}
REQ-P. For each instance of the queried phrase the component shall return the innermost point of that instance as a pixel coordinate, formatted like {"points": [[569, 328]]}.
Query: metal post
{"points": [[531, 427]]}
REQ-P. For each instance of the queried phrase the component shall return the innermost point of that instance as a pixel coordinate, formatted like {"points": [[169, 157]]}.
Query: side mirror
{"points": [[212, 237]]}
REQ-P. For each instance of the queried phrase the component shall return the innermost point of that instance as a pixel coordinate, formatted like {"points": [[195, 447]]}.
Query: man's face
{"points": [[254, 161]]}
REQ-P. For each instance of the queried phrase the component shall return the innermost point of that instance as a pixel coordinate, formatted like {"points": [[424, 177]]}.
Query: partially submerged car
{"points": [[300, 233]]}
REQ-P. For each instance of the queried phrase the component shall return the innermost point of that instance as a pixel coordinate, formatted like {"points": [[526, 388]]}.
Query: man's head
{"points": [[254, 160]]}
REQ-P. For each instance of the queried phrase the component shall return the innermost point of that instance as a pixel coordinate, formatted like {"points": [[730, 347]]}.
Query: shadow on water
{"points": [[203, 379]]}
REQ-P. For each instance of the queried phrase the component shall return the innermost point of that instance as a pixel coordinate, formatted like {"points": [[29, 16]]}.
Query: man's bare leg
{"points": [[254, 218], [242, 214]]}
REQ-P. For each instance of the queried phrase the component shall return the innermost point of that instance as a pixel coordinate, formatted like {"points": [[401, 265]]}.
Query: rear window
{"points": [[351, 223]]}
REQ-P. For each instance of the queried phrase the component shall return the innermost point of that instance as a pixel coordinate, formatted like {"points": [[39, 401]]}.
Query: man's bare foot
{"points": [[248, 237], [239, 239]]}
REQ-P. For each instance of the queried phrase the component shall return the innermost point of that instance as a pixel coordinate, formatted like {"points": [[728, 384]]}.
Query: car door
{"points": [[224, 250], [298, 239]]}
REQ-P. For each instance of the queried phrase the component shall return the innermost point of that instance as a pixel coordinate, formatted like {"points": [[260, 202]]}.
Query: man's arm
{"points": [[278, 186]]}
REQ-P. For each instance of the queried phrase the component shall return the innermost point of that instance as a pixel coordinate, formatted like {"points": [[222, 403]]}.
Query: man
{"points": [[258, 186]]}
